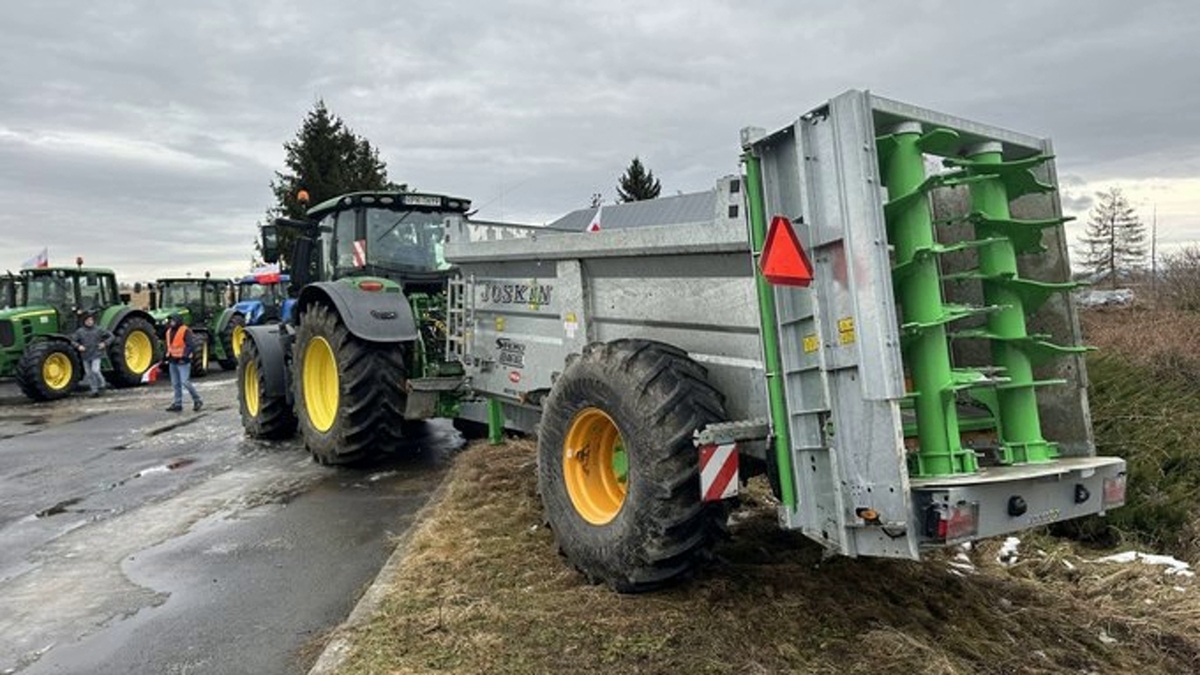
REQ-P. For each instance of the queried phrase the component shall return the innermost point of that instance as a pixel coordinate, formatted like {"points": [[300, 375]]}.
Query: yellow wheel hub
{"points": [[204, 356], [320, 384], [238, 337], [57, 371], [250, 388], [139, 352], [595, 466]]}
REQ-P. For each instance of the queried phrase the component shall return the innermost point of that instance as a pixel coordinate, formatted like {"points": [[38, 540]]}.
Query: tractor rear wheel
{"points": [[231, 339], [132, 352], [265, 414], [617, 471], [200, 355], [48, 370], [349, 392]]}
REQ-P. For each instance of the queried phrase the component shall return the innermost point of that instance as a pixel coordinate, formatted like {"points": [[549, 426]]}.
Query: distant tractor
{"points": [[203, 304], [363, 352], [10, 291], [261, 300], [35, 336]]}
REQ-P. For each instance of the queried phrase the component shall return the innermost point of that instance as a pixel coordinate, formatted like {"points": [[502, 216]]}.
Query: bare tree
{"points": [[1114, 241]]}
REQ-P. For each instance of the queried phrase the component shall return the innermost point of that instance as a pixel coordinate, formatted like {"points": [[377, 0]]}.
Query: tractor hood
{"points": [[251, 309], [38, 313]]}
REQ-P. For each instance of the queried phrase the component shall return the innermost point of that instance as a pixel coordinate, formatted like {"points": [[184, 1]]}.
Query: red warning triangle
{"points": [[783, 259]]}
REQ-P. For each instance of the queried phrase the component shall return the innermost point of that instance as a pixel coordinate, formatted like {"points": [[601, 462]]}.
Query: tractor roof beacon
{"points": [[35, 335]]}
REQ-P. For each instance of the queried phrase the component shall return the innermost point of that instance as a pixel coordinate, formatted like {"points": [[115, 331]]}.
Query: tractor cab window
{"points": [[93, 292], [343, 232], [180, 293], [215, 295], [268, 293], [48, 289], [405, 240]]}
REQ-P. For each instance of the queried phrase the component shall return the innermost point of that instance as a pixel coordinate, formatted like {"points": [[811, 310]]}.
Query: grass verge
{"points": [[482, 591]]}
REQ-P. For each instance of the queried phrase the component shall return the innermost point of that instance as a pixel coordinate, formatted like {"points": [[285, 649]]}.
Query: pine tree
{"points": [[325, 159], [1114, 240], [637, 183]]}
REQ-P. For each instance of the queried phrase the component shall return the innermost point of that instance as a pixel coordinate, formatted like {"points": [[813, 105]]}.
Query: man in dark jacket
{"points": [[90, 340], [181, 342]]}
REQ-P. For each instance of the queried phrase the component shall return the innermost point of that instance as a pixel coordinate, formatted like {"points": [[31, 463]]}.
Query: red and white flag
{"points": [[266, 274], [360, 252], [594, 226], [42, 259]]}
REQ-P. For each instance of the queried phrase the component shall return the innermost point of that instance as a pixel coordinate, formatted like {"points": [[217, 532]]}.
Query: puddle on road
{"points": [[164, 468], [58, 508]]}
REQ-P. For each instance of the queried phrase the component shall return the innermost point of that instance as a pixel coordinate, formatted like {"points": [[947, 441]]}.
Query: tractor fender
{"points": [[272, 342], [113, 316], [224, 319], [379, 316]]}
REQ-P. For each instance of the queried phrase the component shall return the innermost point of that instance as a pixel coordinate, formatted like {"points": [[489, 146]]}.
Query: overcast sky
{"points": [[144, 135]]}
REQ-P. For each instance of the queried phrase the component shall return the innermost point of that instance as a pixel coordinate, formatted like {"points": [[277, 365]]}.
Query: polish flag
{"points": [[266, 274], [151, 375], [594, 226], [42, 259]]}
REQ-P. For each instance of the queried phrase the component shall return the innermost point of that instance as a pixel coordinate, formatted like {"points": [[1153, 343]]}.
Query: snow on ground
{"points": [[1174, 566], [1007, 555]]}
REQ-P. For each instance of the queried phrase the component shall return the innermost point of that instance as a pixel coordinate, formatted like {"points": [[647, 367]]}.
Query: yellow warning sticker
{"points": [[846, 330], [811, 343]]}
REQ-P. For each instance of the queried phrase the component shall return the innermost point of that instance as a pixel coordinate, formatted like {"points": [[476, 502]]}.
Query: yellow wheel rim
{"points": [[595, 466], [57, 371], [320, 384], [239, 336], [204, 357], [250, 388], [139, 352]]}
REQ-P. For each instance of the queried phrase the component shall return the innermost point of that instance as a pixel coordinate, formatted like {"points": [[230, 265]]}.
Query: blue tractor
{"points": [[260, 300]]}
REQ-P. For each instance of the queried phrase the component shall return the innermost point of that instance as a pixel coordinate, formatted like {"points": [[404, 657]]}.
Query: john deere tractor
{"points": [[35, 336], [203, 304], [364, 349], [10, 290]]}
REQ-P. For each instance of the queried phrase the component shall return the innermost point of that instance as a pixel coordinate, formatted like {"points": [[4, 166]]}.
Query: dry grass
{"points": [[483, 591]]}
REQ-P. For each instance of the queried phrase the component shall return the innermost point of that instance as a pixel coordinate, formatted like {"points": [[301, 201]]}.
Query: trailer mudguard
{"points": [[375, 316], [270, 343]]}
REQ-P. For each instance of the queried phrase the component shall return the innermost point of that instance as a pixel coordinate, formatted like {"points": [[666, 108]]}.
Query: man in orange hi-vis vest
{"points": [[180, 344]]}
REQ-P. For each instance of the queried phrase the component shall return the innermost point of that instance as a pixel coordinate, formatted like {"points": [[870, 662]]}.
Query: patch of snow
{"points": [[1008, 551], [961, 564], [1068, 565], [1106, 638], [1175, 567]]}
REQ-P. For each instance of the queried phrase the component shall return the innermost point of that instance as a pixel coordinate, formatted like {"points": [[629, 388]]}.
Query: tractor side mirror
{"points": [[270, 244]]}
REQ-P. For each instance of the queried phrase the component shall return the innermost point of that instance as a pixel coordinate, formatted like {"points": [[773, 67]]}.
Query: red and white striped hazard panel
{"points": [[360, 252], [718, 472]]}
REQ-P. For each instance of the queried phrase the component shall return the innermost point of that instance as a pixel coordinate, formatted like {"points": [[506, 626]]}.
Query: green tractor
{"points": [[35, 342], [363, 350], [203, 304], [10, 290]]}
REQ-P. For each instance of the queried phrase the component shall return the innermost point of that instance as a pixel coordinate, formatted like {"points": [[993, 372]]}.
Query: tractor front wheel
{"points": [[349, 393], [200, 355], [48, 370], [132, 353], [231, 341], [265, 413], [617, 470]]}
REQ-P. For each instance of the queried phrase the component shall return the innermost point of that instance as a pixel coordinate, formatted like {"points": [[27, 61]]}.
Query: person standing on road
{"points": [[181, 342], [90, 340]]}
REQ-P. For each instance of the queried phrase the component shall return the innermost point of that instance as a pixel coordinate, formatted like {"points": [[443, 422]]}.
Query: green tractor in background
{"points": [[35, 342], [203, 303], [10, 290], [363, 351]]}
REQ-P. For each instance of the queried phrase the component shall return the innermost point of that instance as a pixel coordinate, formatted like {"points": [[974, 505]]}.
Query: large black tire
{"points": [[231, 359], [124, 373], [364, 408], [200, 355], [265, 413], [49, 370], [655, 528]]}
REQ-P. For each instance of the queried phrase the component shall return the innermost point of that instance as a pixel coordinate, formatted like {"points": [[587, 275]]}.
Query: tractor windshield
{"points": [[268, 293], [180, 293], [408, 240], [52, 289]]}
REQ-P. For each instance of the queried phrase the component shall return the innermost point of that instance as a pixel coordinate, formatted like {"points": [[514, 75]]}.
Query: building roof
{"points": [[694, 207]]}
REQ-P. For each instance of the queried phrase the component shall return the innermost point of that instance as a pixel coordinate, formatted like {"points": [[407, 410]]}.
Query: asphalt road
{"points": [[133, 540]]}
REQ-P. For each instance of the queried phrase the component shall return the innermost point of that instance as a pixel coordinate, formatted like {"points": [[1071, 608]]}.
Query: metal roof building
{"points": [[723, 201]]}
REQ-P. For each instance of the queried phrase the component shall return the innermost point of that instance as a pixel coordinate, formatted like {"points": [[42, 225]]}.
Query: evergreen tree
{"points": [[637, 183], [1115, 238], [325, 159]]}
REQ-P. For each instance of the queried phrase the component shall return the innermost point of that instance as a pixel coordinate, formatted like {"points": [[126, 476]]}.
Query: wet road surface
{"points": [[133, 540]]}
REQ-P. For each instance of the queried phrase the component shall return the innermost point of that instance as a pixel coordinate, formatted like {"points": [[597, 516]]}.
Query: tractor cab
{"points": [[69, 292], [263, 299], [393, 235], [197, 300]]}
